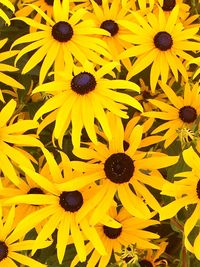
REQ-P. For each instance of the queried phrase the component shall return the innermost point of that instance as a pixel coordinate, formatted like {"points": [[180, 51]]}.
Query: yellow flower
{"points": [[13, 133], [10, 247], [119, 171], [45, 5], [10, 6], [183, 112], [187, 192], [60, 41], [132, 231], [5, 67], [62, 209], [162, 42], [152, 258], [24, 191], [107, 16], [82, 97]]}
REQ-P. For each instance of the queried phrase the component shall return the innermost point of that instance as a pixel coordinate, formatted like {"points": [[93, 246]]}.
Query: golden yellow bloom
{"points": [[108, 16], [187, 192], [160, 42], [132, 231], [182, 113], [62, 209], [13, 133], [80, 98], [5, 67], [152, 257], [10, 247], [118, 169], [64, 38]]}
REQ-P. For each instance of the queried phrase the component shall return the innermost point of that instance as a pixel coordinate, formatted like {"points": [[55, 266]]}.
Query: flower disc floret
{"points": [[62, 31], [119, 168], [71, 201], [112, 233], [83, 83], [3, 250], [168, 5], [145, 263], [110, 26], [188, 114], [198, 189], [163, 41]]}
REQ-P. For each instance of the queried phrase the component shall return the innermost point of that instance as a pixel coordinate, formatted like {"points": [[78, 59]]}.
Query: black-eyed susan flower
{"points": [[132, 231], [5, 67], [106, 16], [61, 209], [160, 42], [25, 9], [152, 257], [120, 171], [10, 6], [10, 247], [26, 189], [64, 40], [183, 112], [13, 134], [82, 97], [186, 191]]}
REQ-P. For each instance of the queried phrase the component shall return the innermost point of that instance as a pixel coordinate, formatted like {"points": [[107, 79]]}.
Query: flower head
{"points": [[82, 97], [160, 42]]}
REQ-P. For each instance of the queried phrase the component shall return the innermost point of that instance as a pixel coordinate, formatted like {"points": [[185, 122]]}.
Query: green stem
{"points": [[177, 224]]}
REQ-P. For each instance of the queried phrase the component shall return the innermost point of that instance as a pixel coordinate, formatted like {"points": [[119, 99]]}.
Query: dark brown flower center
{"points": [[119, 168], [145, 263], [112, 233], [187, 114], [110, 26], [3, 251], [62, 31], [168, 5], [35, 190], [71, 201], [198, 189], [83, 83], [163, 41]]}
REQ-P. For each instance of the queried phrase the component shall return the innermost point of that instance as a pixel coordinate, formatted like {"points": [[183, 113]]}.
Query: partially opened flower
{"points": [[10, 247], [160, 42], [13, 134], [186, 191], [10, 6], [61, 208], [82, 97], [132, 231], [62, 41], [6, 79], [182, 113], [120, 170]]}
